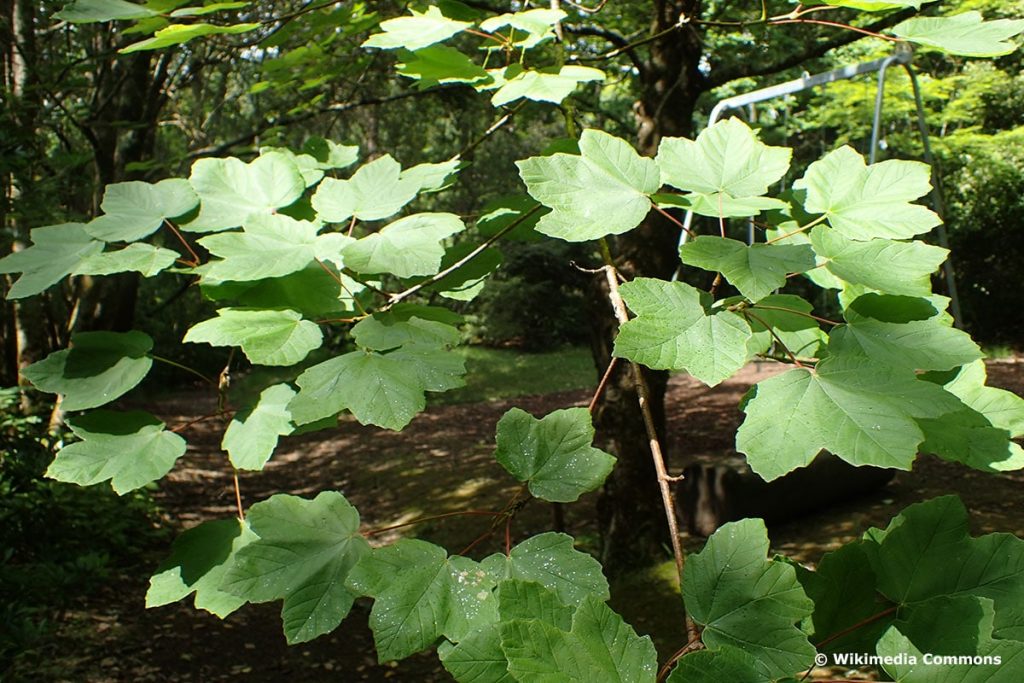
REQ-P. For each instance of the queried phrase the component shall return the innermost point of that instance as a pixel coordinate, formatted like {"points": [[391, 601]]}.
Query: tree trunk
{"points": [[630, 511]]}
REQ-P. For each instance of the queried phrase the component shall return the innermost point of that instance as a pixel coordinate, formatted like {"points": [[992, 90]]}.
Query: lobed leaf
{"points": [[198, 562], [266, 337], [553, 455], [56, 251], [133, 210], [865, 202], [603, 191], [756, 270], [962, 34], [748, 602], [675, 330], [252, 436], [861, 411], [304, 552], [407, 247], [418, 31], [97, 368], [377, 190], [891, 267], [231, 191], [128, 449], [726, 168]]}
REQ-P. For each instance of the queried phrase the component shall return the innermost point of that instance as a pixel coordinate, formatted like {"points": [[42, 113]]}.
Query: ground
{"points": [[111, 637]]}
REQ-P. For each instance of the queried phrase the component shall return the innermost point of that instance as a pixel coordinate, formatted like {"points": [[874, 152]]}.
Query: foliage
{"points": [[890, 380], [59, 541]]}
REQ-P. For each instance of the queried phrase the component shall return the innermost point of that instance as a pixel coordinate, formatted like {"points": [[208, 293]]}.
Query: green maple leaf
{"points": [[599, 647], [56, 252], [377, 190], [88, 11], [199, 559], [231, 191], [98, 368], [603, 191], [179, 34], [861, 411], [962, 34], [901, 331], [887, 266], [553, 455], [128, 449], [863, 202], [312, 291], [538, 25], [847, 605], [407, 247], [968, 437], [723, 664], [926, 552], [407, 324], [967, 630], [142, 258], [756, 270], [551, 560], [440, 64], [416, 32], [676, 330], [726, 168], [294, 244], [745, 601], [545, 86], [877, 5], [303, 554], [266, 337], [252, 436], [386, 390], [1003, 409], [421, 594], [134, 209], [432, 177]]}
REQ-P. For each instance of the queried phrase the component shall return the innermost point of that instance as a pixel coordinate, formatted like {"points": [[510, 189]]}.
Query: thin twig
{"points": [[602, 384], [495, 127], [238, 497], [685, 649], [673, 219], [644, 398], [801, 313], [182, 427], [181, 238], [836, 24], [401, 296], [175, 364], [748, 313], [802, 228]]}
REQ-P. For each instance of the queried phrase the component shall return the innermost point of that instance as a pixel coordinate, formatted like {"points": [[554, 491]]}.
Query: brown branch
{"points": [[685, 649], [752, 67], [644, 398]]}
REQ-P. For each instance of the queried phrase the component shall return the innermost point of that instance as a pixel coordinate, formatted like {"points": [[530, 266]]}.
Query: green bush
{"points": [[58, 542]]}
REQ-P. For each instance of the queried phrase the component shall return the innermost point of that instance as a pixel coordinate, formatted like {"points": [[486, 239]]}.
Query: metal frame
{"points": [[902, 57]]}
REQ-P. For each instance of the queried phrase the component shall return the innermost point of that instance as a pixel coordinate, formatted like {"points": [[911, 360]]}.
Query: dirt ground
{"points": [[111, 637]]}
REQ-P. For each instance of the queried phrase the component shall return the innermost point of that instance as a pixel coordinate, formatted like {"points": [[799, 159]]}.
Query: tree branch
{"points": [[748, 68], [223, 148]]}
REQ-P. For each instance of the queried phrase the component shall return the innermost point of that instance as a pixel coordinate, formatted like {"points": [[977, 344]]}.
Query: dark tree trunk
{"points": [[630, 512]]}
